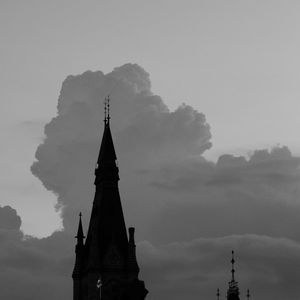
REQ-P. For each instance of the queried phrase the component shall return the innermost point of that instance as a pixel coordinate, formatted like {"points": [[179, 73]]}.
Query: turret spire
{"points": [[80, 236]]}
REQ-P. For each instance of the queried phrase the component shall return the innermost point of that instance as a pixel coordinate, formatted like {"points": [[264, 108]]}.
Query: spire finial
{"points": [[80, 236], [248, 294], [105, 111], [218, 294], [232, 265], [108, 109]]}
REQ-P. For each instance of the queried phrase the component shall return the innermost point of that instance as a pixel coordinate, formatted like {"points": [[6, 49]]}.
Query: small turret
{"points": [[78, 268], [79, 250], [80, 236], [132, 264]]}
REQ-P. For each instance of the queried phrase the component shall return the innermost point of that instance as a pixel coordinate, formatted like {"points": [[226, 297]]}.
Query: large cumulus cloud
{"points": [[189, 212], [146, 132]]}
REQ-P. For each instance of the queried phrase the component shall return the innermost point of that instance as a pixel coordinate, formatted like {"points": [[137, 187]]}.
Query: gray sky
{"points": [[235, 61], [236, 66]]}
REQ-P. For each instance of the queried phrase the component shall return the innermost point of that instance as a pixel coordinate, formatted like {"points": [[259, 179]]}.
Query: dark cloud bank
{"points": [[189, 212]]}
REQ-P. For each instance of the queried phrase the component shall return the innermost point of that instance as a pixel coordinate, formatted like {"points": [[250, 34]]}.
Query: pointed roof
{"points": [[80, 236], [107, 240], [107, 150]]}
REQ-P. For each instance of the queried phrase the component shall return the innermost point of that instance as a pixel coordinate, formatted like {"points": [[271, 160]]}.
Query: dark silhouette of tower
{"points": [[105, 266], [233, 289], [233, 292]]}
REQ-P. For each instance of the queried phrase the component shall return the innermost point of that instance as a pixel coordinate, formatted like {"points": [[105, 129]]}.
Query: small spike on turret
{"points": [[248, 294], [106, 110], [218, 294], [232, 266]]}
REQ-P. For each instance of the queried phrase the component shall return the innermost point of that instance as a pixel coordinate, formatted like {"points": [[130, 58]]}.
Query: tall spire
{"points": [[107, 236], [106, 252]]}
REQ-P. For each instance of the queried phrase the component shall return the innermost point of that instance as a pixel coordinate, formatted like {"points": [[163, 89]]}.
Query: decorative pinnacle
{"points": [[80, 236], [232, 265], [218, 294], [248, 294], [106, 110]]}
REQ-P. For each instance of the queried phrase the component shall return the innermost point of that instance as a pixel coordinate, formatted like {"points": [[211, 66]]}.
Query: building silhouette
{"points": [[106, 266], [233, 292]]}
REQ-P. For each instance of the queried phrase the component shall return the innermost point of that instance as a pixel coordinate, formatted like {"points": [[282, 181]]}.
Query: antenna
{"points": [[218, 294], [248, 294]]}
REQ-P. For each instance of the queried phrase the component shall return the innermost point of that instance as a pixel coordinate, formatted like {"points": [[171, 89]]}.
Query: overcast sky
{"points": [[235, 65]]}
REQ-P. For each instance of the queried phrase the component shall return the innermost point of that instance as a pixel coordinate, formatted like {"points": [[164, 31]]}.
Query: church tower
{"points": [[105, 266]]}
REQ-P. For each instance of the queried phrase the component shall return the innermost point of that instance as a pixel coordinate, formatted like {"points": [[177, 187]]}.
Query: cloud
{"points": [[194, 270], [9, 219], [258, 195], [188, 212], [146, 132], [32, 268]]}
